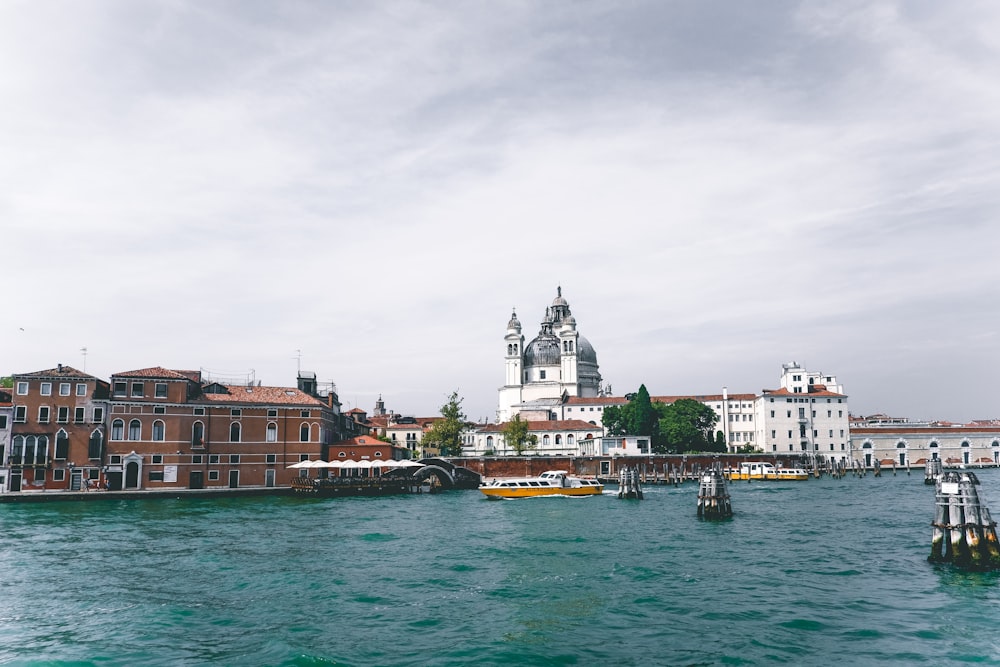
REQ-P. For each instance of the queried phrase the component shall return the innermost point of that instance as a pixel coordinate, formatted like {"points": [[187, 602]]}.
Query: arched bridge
{"points": [[449, 475]]}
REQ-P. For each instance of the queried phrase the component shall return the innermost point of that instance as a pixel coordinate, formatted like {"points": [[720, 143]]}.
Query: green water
{"points": [[808, 573]]}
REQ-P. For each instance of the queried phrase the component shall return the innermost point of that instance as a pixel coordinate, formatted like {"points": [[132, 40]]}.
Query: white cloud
{"points": [[718, 190]]}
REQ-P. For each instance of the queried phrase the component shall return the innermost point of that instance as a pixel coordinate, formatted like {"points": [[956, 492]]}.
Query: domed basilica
{"points": [[556, 364]]}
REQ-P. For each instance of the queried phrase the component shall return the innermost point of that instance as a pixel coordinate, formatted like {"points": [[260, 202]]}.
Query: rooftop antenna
{"points": [[84, 350], [298, 363]]}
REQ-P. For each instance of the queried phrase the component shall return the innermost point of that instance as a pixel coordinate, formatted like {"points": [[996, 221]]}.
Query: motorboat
{"points": [[549, 483], [762, 470]]}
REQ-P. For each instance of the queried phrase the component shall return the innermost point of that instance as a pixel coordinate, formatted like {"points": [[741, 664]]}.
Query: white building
{"points": [[807, 414], [558, 363]]}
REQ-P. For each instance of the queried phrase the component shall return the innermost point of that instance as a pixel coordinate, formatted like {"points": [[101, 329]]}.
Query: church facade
{"points": [[557, 364]]}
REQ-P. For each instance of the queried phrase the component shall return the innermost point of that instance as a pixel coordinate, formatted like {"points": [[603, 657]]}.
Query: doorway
{"points": [[196, 480], [234, 479], [132, 475], [269, 477]]}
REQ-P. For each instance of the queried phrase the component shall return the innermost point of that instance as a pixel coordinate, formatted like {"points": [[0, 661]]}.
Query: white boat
{"points": [[763, 470], [549, 483]]}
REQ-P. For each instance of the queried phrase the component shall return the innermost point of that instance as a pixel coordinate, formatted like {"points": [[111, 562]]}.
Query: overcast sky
{"points": [[718, 187]]}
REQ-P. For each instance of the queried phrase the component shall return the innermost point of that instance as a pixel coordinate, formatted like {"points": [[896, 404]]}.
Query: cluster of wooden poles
{"points": [[964, 532]]}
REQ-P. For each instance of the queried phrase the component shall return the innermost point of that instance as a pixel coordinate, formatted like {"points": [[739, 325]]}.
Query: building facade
{"points": [[57, 436]]}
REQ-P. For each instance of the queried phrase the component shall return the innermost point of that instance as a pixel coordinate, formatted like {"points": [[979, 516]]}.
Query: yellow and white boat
{"points": [[549, 483], [762, 470]]}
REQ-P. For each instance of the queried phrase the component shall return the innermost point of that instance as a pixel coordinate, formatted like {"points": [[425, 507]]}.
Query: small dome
{"points": [[514, 322], [543, 351]]}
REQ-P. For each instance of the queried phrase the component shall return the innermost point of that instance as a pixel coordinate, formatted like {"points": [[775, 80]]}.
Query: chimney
{"points": [[60, 368]]}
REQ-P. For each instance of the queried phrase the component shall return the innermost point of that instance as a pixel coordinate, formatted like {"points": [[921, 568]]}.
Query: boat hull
{"points": [[789, 476], [495, 493]]}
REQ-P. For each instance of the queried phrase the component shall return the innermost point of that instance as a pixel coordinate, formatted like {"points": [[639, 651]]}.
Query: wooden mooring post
{"points": [[713, 496], [628, 484], [931, 472], [964, 533]]}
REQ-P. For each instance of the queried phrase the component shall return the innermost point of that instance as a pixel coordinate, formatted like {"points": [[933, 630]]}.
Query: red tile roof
{"points": [[63, 372], [550, 425], [159, 373], [263, 396], [816, 392]]}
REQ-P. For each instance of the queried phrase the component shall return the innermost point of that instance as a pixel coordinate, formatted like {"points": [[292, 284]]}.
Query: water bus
{"points": [[549, 483], [762, 470]]}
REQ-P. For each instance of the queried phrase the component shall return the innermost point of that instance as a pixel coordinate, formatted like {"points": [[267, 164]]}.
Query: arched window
{"points": [[272, 432], [117, 430], [569, 439], [197, 434], [900, 445], [41, 450], [378, 454], [545, 440], [135, 430], [62, 444], [558, 439], [17, 450], [158, 431], [234, 432], [95, 446], [489, 442], [304, 433], [590, 436]]}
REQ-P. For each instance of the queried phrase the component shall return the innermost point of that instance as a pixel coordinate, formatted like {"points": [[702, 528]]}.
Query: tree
{"points": [[637, 417], [515, 434], [446, 434], [688, 425]]}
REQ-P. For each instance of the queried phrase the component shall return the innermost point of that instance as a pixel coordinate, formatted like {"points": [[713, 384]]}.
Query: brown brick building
{"points": [[57, 437], [169, 429]]}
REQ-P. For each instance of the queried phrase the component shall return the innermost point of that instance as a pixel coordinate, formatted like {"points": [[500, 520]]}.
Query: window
{"points": [[199, 412], [81, 389], [79, 415], [213, 458], [22, 388], [197, 434], [3, 425], [119, 389], [304, 433], [62, 445], [272, 432], [20, 414], [138, 390], [115, 459], [234, 458], [64, 388], [305, 414], [545, 440], [46, 389], [774, 434], [58, 475], [155, 475], [234, 432], [98, 415], [271, 458], [135, 430], [43, 414], [159, 410], [62, 414], [569, 439], [118, 430], [541, 375], [95, 448], [158, 431], [160, 390], [157, 458], [236, 412], [213, 475], [196, 458]]}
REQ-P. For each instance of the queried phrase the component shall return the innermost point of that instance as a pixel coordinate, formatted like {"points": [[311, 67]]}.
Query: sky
{"points": [[366, 190]]}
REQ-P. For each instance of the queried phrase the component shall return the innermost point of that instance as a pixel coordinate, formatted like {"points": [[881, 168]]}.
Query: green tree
{"points": [[515, 434], [7, 382], [688, 425], [446, 434], [637, 417]]}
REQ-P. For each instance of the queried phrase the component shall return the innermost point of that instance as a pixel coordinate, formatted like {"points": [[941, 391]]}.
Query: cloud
{"points": [[718, 188]]}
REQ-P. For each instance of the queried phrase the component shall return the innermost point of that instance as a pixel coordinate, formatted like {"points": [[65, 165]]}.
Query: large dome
{"points": [[585, 351], [544, 351]]}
